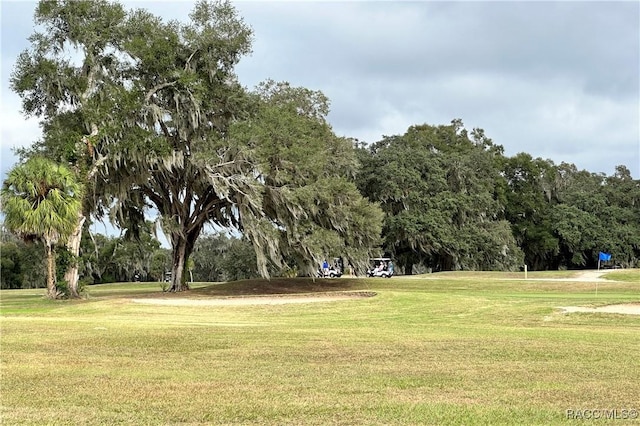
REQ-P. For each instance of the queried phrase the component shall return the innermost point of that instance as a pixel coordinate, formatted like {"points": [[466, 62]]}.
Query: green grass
{"points": [[501, 275], [628, 275], [479, 349]]}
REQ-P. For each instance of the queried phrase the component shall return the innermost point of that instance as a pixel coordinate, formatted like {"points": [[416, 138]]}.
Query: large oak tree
{"points": [[151, 112]]}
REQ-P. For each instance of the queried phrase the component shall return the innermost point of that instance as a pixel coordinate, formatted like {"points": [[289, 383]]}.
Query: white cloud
{"points": [[17, 131]]}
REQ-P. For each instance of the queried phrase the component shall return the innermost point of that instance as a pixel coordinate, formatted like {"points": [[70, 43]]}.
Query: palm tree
{"points": [[41, 200]]}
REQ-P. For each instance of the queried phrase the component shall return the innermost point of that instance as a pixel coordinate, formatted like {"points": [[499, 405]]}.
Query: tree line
{"points": [[142, 115], [453, 200], [103, 259]]}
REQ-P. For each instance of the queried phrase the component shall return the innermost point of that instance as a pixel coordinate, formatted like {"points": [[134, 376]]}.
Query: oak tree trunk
{"points": [[181, 250], [177, 264]]}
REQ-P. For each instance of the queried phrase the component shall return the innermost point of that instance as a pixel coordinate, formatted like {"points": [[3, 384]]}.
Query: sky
{"points": [[558, 80]]}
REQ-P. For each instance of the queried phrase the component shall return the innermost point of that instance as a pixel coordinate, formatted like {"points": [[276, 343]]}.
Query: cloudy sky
{"points": [[559, 80]]}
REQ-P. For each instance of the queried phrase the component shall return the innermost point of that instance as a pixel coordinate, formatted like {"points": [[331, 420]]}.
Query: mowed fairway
{"points": [[449, 348]]}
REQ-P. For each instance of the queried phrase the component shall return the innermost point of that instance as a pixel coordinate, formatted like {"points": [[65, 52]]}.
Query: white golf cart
{"points": [[331, 270], [381, 267]]}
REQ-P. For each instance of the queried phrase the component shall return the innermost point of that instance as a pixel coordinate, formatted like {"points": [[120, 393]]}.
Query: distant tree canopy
{"points": [[102, 259], [452, 201], [23, 264], [221, 257], [440, 189], [563, 217]]}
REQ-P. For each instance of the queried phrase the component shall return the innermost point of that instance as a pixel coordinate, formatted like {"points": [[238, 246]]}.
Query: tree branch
{"points": [[155, 198], [155, 89], [165, 129], [186, 65]]}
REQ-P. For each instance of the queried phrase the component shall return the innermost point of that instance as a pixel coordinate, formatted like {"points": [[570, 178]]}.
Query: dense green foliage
{"points": [[23, 264], [102, 260], [563, 217], [440, 190], [220, 257], [453, 201], [123, 258]]}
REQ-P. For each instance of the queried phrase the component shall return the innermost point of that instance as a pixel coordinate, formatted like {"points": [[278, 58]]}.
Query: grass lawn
{"points": [[459, 349]]}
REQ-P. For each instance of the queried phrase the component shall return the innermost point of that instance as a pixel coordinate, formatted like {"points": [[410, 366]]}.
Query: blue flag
{"points": [[604, 256]]}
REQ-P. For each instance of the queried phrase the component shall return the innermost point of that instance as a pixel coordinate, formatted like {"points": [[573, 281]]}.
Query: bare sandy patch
{"points": [[626, 308], [590, 276], [255, 300]]}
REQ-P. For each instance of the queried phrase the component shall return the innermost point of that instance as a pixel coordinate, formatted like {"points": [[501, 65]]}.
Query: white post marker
{"points": [[525, 272]]}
